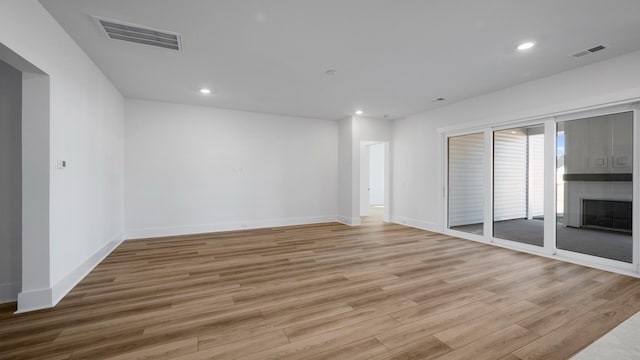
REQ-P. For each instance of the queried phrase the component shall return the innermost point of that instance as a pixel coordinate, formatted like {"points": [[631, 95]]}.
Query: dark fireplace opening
{"points": [[607, 214]]}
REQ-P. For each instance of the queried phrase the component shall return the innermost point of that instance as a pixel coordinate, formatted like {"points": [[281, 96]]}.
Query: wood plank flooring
{"points": [[326, 291]]}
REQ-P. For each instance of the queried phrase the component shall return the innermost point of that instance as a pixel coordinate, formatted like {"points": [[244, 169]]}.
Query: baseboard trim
{"points": [[351, 221], [46, 298], [418, 224], [9, 292], [33, 300], [62, 287], [231, 226]]}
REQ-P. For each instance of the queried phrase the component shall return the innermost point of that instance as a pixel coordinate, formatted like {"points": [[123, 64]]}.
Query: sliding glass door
{"points": [[595, 186], [518, 184], [466, 183], [560, 186]]}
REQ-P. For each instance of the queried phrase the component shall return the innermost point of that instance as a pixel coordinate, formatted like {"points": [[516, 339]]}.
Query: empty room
{"points": [[319, 179]]}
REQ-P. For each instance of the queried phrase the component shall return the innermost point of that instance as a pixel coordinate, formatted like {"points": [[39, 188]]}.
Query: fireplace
{"points": [[607, 214]]}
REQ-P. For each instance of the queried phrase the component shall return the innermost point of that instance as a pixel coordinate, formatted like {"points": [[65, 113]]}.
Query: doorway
{"points": [[10, 182], [373, 182]]}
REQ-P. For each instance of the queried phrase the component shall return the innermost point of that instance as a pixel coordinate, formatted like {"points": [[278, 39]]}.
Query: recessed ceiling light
{"points": [[386, 116], [205, 91], [359, 112], [330, 72], [526, 45], [440, 99]]}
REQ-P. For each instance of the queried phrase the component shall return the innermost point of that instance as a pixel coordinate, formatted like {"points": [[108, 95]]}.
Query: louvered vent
{"points": [[139, 34], [589, 51]]}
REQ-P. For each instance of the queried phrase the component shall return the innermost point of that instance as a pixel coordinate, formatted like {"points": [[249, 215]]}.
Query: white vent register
{"points": [[139, 34], [592, 50]]}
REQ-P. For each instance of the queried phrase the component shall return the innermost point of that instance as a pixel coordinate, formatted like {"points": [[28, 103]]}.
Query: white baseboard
{"points": [[9, 292], [32, 300], [419, 224], [62, 287], [351, 221], [45, 298], [231, 226]]}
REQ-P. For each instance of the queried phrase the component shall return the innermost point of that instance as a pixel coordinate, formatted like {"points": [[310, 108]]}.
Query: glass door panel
{"points": [[518, 184], [594, 170], [466, 183]]}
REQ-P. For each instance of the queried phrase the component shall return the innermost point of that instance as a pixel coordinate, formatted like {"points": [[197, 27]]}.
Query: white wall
{"points": [[85, 129], [10, 182], [365, 173], [347, 212], [194, 169], [417, 195], [376, 174], [36, 189]]}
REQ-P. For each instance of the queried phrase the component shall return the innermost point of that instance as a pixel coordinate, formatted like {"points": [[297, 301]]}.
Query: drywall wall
{"points": [[364, 179], [86, 130], [36, 246], [376, 174], [346, 207], [417, 193], [10, 182], [194, 169]]}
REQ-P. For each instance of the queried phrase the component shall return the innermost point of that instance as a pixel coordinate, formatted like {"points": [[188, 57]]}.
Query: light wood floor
{"points": [[324, 291]]}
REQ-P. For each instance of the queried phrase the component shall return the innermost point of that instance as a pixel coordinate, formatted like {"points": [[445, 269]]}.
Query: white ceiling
{"points": [[391, 57]]}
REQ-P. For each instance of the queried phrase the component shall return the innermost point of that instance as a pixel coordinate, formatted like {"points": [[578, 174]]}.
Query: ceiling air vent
{"points": [[589, 51], [139, 34]]}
